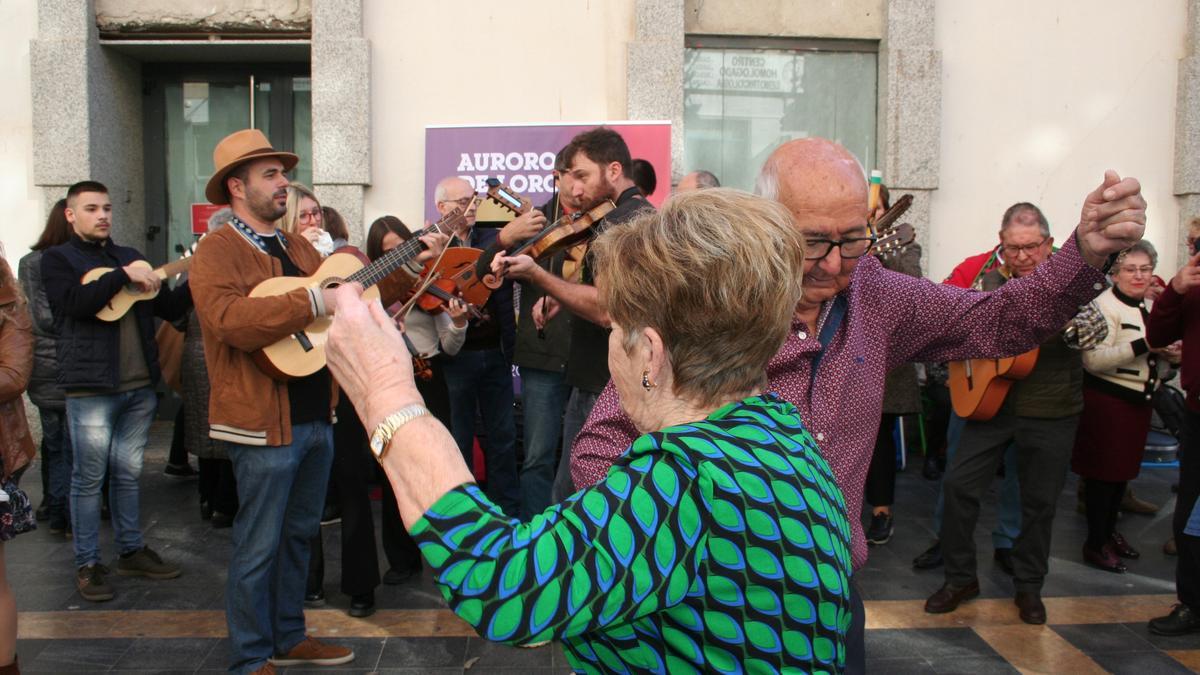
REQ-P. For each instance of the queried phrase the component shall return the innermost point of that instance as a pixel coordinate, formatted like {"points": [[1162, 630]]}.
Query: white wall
{"points": [[516, 61], [1038, 99], [20, 203]]}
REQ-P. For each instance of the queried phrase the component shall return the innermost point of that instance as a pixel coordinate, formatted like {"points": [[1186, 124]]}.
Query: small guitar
{"points": [[303, 352], [978, 387], [125, 298]]}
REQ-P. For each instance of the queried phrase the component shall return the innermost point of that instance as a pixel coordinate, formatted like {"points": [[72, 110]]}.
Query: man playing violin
{"points": [[598, 167], [857, 321]]}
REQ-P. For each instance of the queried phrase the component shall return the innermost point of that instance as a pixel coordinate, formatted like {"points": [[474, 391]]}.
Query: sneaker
{"points": [[181, 471], [42, 513], [60, 525], [89, 579], [146, 563], [313, 651], [315, 599], [881, 529]]}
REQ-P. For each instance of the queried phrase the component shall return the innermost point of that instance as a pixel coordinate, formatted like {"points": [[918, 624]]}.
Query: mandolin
{"points": [[978, 387], [303, 352], [125, 298]]}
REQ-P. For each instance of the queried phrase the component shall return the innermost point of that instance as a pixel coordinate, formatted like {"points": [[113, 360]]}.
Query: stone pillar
{"points": [[87, 122], [655, 70], [910, 108], [341, 109], [1187, 133]]}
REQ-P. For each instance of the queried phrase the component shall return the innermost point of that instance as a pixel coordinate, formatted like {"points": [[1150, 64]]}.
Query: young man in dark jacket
{"points": [[108, 370]]}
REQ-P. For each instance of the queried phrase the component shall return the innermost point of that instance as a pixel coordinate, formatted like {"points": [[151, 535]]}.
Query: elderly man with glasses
{"points": [[1039, 417], [857, 321]]}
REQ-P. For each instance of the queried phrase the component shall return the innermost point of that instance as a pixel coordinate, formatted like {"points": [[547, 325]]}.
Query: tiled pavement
{"points": [[1096, 619]]}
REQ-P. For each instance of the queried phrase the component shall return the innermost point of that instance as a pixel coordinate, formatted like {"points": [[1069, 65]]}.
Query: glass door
{"points": [[187, 113]]}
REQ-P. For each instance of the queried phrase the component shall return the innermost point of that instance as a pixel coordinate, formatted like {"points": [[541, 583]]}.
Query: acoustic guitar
{"points": [[978, 387], [125, 298], [303, 353]]}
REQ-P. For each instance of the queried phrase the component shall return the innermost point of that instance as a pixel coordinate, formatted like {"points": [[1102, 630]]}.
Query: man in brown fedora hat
{"points": [[279, 433]]}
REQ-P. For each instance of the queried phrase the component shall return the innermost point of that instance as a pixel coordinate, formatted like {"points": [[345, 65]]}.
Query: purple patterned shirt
{"points": [[890, 319]]}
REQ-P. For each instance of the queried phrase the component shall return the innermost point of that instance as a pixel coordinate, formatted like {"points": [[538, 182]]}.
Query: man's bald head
{"points": [[823, 186], [812, 171], [454, 192]]}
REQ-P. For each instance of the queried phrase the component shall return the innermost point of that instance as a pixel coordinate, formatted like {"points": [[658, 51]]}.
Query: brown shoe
{"points": [[1031, 609], [1105, 559], [1131, 504], [948, 598], [313, 651], [1169, 547], [267, 668], [89, 579]]}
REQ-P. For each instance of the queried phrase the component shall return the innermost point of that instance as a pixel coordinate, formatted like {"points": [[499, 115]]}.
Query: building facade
{"points": [[969, 106]]}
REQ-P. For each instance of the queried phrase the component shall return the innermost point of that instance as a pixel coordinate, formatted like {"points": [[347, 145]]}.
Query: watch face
{"points": [[377, 444]]}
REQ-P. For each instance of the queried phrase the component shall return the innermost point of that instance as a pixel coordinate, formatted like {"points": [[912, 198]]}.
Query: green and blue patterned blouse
{"points": [[721, 545]]}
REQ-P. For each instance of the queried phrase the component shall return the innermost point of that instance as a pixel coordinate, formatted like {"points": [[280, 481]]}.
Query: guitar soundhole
{"points": [[332, 282]]}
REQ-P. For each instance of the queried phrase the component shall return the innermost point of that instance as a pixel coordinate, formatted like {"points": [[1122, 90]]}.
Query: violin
{"points": [[422, 369], [560, 235]]}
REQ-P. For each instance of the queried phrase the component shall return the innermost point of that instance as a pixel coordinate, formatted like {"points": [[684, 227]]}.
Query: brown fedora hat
{"points": [[236, 149]]}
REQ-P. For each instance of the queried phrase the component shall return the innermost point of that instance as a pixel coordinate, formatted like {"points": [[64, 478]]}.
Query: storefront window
{"points": [[741, 103]]}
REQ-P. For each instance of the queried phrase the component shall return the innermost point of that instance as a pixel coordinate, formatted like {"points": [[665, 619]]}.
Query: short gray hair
{"points": [[706, 179], [1142, 246], [1019, 208], [767, 183]]}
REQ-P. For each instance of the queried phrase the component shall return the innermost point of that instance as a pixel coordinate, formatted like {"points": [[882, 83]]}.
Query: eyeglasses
{"points": [[310, 215], [1133, 270], [1012, 251], [462, 203], [857, 247]]}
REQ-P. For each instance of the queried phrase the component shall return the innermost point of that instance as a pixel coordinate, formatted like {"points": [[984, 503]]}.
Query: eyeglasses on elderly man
{"points": [[720, 539]]}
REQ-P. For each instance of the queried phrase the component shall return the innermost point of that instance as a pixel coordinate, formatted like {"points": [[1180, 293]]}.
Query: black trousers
{"points": [[881, 477], [398, 547], [353, 467], [1043, 455], [1187, 568], [1102, 503], [217, 484]]}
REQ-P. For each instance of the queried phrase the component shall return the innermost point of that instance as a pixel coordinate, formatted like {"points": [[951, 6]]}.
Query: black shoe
{"points": [[42, 513], [221, 520], [931, 558], [316, 599], [181, 471], [395, 577], [206, 511], [1003, 558], [1031, 609], [948, 598], [332, 515], [362, 605], [1181, 621], [881, 529], [59, 525]]}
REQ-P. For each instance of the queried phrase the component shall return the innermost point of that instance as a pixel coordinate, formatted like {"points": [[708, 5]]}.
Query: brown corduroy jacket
{"points": [[245, 405]]}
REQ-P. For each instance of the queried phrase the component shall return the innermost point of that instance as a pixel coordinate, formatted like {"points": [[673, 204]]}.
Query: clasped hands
{"points": [[1112, 219]]}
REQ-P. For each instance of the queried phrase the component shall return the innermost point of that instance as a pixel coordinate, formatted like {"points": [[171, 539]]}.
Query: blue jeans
{"points": [[57, 458], [482, 380], [1008, 515], [109, 430], [281, 492], [544, 397]]}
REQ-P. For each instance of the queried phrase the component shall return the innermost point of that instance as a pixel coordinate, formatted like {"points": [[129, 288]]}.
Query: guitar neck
{"points": [[172, 268], [404, 253]]}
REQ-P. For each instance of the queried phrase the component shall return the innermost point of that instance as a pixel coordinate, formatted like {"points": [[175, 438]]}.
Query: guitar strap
{"points": [[833, 320], [254, 237]]}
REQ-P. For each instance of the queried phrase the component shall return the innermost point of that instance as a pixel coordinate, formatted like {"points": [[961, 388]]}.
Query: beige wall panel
{"points": [[1038, 99], [517, 61], [861, 19], [183, 15], [20, 201]]}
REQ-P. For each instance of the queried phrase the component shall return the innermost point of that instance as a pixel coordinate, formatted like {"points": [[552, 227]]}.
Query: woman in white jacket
{"points": [[1120, 375]]}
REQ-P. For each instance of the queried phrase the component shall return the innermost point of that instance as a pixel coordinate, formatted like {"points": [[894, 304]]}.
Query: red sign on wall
{"points": [[200, 215]]}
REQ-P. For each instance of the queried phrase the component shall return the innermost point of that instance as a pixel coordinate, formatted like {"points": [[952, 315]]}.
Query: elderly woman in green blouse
{"points": [[719, 541]]}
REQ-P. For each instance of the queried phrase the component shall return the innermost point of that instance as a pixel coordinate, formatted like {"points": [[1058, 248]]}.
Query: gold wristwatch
{"points": [[390, 424]]}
